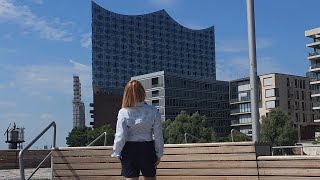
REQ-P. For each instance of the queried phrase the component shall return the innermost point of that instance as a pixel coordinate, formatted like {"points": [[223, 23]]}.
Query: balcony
{"points": [[237, 123], [240, 99], [239, 111], [315, 105], [314, 80], [315, 92], [314, 55], [314, 67]]}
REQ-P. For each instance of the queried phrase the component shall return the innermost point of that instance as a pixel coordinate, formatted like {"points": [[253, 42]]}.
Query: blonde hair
{"points": [[133, 93]]}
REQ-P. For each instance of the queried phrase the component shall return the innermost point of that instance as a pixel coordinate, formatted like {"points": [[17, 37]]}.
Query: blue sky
{"points": [[44, 42]]}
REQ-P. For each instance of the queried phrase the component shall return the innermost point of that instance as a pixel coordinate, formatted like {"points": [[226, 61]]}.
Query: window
{"points": [[245, 119], [155, 102], [155, 81], [155, 93], [267, 81], [289, 105], [288, 82], [245, 107], [272, 92], [272, 104], [297, 94]]}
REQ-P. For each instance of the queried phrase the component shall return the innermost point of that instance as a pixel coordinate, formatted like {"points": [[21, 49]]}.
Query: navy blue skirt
{"points": [[138, 157]]}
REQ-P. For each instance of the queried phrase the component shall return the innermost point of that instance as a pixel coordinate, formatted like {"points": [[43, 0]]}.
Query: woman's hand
{"points": [[157, 162]]}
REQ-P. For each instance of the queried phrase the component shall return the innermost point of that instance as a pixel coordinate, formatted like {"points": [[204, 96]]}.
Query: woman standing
{"points": [[138, 140]]}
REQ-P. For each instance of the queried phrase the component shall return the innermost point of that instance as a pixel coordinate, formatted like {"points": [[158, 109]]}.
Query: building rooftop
{"points": [[313, 33]]}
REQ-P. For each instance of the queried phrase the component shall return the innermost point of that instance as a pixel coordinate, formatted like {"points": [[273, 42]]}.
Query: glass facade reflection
{"points": [[129, 45]]}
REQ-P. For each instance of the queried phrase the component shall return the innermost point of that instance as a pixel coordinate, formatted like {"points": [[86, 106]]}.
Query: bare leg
{"points": [[135, 178], [149, 178]]}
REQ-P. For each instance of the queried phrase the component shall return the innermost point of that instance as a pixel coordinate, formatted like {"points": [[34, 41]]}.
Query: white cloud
{"points": [[39, 2], [238, 67], [86, 41], [22, 15], [46, 117], [44, 81], [241, 45], [7, 50], [7, 104]]}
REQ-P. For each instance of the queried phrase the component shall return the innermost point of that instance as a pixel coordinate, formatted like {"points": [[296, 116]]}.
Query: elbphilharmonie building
{"points": [[130, 45]]}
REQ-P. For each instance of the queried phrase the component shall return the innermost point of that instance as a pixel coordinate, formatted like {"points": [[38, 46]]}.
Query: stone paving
{"points": [[14, 174]]}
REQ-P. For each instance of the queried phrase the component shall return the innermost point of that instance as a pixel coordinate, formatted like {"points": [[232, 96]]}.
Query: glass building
{"points": [[129, 45], [172, 93]]}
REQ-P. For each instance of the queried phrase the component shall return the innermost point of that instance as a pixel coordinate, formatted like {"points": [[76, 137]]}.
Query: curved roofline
{"points": [[156, 12]]}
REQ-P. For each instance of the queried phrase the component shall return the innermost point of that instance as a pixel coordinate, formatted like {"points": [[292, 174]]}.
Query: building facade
{"points": [[129, 45], [287, 92], [172, 93], [78, 106], [314, 70]]}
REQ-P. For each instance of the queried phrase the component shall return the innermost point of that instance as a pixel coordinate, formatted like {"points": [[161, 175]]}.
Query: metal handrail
{"points": [[21, 153], [187, 134], [105, 139], [232, 132]]}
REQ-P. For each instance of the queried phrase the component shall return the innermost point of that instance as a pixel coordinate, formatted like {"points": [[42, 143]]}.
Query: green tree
{"points": [[98, 131], [78, 137], [277, 129], [195, 125], [85, 135]]}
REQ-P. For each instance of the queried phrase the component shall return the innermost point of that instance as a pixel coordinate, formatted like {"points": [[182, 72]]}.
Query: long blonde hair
{"points": [[133, 93]]}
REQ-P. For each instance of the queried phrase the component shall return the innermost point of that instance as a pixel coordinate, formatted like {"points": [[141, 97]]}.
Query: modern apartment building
{"points": [[314, 71], [78, 106], [172, 93], [287, 92], [129, 45]]}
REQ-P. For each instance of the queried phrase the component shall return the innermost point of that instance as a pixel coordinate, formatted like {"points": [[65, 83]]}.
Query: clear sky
{"points": [[44, 42]]}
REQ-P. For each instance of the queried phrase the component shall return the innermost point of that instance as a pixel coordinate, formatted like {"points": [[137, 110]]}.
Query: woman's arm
{"points": [[120, 136], [158, 135]]}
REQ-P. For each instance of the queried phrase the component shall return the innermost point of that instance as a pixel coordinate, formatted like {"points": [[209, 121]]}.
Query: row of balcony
{"points": [[237, 122], [314, 53], [240, 99], [238, 111]]}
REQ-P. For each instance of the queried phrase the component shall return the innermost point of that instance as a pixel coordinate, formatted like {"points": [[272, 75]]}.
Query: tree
{"points": [[85, 135], [278, 129], [98, 131], [195, 125], [78, 137]]}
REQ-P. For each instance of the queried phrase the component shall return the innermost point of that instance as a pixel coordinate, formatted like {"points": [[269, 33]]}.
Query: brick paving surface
{"points": [[14, 174]]}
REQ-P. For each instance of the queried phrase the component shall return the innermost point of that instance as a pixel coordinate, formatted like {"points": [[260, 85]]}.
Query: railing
{"points": [[234, 130], [316, 104], [21, 153], [240, 99], [234, 111], [313, 79], [314, 54], [187, 134], [315, 91], [101, 135], [238, 122], [314, 66]]}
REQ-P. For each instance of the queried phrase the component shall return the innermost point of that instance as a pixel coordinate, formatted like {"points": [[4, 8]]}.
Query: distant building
{"points": [[314, 71], [172, 93], [288, 92], [129, 45], [78, 105]]}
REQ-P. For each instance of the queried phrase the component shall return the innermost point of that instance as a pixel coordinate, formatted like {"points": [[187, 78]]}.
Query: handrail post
{"points": [[232, 130], [21, 153], [185, 137], [105, 138]]}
